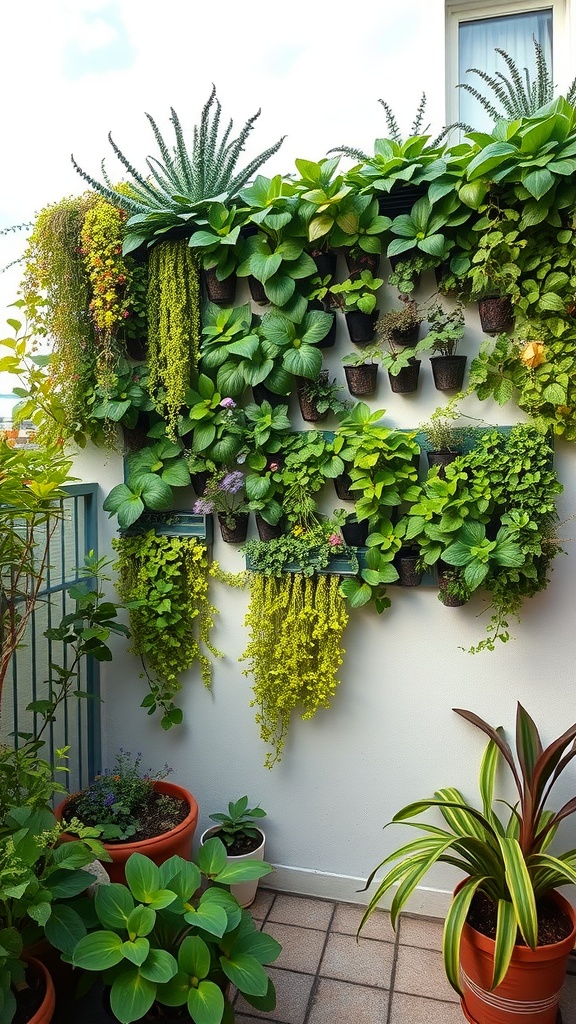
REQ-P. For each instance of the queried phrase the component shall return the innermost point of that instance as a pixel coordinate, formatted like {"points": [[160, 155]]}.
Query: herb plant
{"points": [[238, 822]]}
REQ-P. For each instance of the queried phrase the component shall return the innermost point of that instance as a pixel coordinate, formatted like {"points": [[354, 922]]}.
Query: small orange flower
{"points": [[533, 354]]}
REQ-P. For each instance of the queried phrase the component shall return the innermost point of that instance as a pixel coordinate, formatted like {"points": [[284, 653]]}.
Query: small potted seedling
{"points": [[243, 841]]}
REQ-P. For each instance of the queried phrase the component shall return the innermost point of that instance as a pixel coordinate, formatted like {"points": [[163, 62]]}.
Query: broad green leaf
{"points": [[521, 890], [506, 932], [142, 877], [141, 921], [206, 1003], [194, 957], [113, 904], [98, 951], [136, 951], [64, 928], [159, 966], [131, 996], [245, 973]]}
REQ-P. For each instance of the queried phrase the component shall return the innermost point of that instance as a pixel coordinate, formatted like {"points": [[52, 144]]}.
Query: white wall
{"points": [[390, 735]]}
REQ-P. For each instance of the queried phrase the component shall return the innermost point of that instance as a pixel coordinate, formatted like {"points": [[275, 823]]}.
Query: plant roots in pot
{"points": [[362, 380], [448, 372]]}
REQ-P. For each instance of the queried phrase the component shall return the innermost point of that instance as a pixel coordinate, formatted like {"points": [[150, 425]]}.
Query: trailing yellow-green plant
{"points": [[295, 650], [164, 582], [55, 269], [102, 236], [173, 326]]}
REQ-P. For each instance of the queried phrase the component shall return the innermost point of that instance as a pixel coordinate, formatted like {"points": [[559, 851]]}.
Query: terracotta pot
{"points": [[234, 534], [267, 531], [222, 293], [496, 314], [45, 1011], [448, 372], [362, 261], [362, 380], [245, 892], [530, 991], [406, 381], [361, 326], [178, 841], [308, 407]]}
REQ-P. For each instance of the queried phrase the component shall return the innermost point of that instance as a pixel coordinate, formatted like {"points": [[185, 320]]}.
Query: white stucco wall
{"points": [[390, 735]]}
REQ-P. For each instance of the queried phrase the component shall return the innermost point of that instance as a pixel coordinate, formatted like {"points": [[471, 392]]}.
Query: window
{"points": [[473, 33]]}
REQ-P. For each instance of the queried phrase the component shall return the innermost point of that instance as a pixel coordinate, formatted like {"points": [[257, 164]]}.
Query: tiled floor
{"points": [[324, 976]]}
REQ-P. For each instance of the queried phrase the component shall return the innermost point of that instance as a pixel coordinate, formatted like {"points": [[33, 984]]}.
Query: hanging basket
{"points": [[448, 372], [406, 380], [234, 534], [362, 380], [361, 326], [222, 293], [496, 314]]}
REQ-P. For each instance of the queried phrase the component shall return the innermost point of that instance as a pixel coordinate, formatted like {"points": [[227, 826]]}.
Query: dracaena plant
{"points": [[160, 941], [504, 856]]}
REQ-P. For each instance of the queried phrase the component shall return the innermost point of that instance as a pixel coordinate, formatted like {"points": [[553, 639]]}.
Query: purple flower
{"points": [[109, 799], [232, 482], [203, 507], [228, 403]]}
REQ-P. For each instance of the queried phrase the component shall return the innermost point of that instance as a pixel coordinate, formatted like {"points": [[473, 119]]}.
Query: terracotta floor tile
{"points": [[367, 962], [408, 1009], [348, 916], [262, 903], [301, 947], [568, 1000], [301, 910], [421, 972], [292, 996], [339, 1002], [422, 932]]}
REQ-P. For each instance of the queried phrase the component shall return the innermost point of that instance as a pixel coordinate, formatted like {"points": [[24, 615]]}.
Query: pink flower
{"points": [[335, 540]]}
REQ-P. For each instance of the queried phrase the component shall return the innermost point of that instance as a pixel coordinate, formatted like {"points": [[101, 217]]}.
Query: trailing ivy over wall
{"points": [[295, 650], [165, 582]]}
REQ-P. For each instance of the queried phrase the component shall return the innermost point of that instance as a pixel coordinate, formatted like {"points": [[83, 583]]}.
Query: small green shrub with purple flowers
{"points": [[118, 798]]}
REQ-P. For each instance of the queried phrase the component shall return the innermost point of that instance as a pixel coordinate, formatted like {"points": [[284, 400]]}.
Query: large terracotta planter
{"points": [[45, 1012], [178, 841], [531, 989], [245, 892]]}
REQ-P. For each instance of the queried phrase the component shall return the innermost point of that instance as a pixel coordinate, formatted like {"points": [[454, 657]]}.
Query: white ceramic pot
{"points": [[245, 892]]}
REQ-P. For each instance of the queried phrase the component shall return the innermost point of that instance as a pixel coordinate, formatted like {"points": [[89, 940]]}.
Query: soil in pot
{"points": [[496, 314], [158, 815], [362, 380], [553, 924], [448, 372], [361, 326], [243, 848], [222, 293], [445, 574], [406, 380]]}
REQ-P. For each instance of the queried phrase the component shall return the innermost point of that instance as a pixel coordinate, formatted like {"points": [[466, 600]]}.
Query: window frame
{"points": [[458, 11]]}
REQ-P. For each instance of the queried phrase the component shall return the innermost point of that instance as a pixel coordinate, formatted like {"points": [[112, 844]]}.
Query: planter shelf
{"points": [[172, 524], [339, 565]]}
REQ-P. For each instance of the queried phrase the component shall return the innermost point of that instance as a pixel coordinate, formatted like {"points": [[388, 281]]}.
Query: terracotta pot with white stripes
{"points": [[530, 991]]}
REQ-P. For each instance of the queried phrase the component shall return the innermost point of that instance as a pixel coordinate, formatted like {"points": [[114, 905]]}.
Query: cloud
{"points": [[99, 43]]}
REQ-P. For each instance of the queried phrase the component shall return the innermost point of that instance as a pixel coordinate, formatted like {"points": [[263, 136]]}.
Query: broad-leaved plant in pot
{"points": [[495, 920], [243, 839]]}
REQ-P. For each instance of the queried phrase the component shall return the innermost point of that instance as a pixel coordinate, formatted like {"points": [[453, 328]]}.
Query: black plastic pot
{"points": [[199, 481], [362, 380], [496, 314], [329, 340], [406, 380], [257, 291], [234, 534], [405, 338], [308, 407], [355, 534], [266, 531], [400, 200], [326, 262], [362, 261], [342, 487], [406, 566], [137, 348], [261, 393], [222, 293], [361, 326], [442, 459], [448, 372]]}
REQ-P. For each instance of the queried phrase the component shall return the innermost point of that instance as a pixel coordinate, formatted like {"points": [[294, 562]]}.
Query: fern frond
{"points": [[514, 84]]}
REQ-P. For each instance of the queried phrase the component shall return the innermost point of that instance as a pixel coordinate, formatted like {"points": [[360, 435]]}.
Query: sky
{"points": [[73, 70]]}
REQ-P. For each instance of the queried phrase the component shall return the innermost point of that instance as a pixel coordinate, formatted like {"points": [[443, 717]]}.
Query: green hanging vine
{"points": [[295, 650], [171, 618], [173, 326]]}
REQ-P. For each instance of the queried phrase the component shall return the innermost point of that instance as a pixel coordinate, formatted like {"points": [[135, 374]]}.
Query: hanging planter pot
{"points": [[308, 407], [137, 349], [361, 326], [234, 534], [406, 380], [406, 563], [342, 487], [442, 459], [405, 338], [355, 534], [448, 372], [329, 339], [261, 393], [362, 380], [326, 261], [199, 481], [359, 261], [496, 314], [400, 200], [257, 291], [267, 531], [446, 574], [222, 293]]}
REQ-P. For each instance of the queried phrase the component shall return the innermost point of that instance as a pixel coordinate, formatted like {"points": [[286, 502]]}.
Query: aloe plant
{"points": [[174, 188], [504, 859]]}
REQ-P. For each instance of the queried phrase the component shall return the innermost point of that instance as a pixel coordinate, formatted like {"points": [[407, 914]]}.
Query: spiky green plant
{"points": [[519, 93], [171, 193], [394, 133]]}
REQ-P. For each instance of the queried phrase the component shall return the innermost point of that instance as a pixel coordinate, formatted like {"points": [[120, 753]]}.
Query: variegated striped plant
{"points": [[507, 860]]}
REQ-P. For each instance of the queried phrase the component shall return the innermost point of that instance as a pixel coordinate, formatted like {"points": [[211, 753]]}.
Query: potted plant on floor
{"points": [[243, 841], [165, 944], [508, 932], [135, 812]]}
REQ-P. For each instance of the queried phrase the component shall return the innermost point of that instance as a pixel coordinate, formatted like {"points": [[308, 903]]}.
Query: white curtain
{"points": [[477, 41]]}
